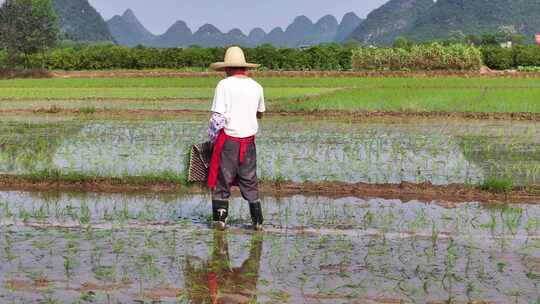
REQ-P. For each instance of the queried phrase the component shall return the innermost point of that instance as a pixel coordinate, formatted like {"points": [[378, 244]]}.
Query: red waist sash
{"points": [[213, 170]]}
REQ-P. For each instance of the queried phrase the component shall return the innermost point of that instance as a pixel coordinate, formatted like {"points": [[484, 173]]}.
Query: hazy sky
{"points": [[158, 15]]}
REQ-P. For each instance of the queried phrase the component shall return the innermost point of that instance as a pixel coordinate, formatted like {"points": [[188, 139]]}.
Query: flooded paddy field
{"points": [[60, 247], [117, 248], [298, 149]]}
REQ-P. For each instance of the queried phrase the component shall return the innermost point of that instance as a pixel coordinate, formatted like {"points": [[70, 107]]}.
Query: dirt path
{"points": [[446, 195]]}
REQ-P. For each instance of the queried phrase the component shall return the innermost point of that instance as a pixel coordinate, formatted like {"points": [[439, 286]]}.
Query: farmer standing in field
{"points": [[238, 104]]}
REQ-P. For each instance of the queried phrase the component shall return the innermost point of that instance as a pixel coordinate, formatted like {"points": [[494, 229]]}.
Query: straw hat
{"points": [[234, 58]]}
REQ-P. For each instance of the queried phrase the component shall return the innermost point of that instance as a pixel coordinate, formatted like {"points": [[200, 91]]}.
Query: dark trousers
{"points": [[232, 172]]}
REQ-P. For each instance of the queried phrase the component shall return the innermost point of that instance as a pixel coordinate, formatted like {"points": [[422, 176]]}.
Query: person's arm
{"points": [[217, 119], [262, 108], [218, 105]]}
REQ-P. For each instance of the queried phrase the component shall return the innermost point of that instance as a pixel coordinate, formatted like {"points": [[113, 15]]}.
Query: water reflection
{"points": [[217, 281]]}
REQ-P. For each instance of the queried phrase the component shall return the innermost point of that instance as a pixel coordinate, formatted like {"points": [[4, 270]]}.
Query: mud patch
{"points": [[520, 116], [36, 285], [158, 294], [92, 287], [356, 115], [446, 195], [23, 285]]}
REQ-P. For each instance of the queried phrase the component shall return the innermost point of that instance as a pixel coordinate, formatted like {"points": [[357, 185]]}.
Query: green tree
{"points": [[11, 28], [474, 40], [27, 27], [455, 37], [44, 28], [402, 43], [489, 40]]}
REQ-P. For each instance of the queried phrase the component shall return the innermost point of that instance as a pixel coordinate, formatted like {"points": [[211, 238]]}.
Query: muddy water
{"points": [[120, 248], [299, 149]]}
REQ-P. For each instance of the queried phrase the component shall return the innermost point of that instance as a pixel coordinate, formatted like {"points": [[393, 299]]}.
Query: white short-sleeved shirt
{"points": [[239, 99]]}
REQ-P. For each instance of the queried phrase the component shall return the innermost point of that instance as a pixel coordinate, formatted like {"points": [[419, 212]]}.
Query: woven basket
{"points": [[199, 162]]}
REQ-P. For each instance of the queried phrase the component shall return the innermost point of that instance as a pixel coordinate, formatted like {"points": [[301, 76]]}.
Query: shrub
{"points": [[419, 57], [521, 56], [3, 58], [527, 56], [498, 58]]}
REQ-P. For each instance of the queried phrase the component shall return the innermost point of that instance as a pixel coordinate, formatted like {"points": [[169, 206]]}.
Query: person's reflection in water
{"points": [[216, 282]]}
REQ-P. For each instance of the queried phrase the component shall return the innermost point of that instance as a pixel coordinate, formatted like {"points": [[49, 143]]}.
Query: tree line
{"points": [[29, 39], [333, 57]]}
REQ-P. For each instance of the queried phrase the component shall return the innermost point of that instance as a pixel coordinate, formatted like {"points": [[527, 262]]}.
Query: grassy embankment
{"points": [[489, 95]]}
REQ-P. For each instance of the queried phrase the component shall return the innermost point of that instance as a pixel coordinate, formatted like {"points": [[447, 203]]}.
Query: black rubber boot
{"points": [[256, 215], [220, 213]]}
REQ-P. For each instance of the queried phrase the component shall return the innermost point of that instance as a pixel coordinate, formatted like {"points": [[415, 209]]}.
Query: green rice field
{"points": [[287, 94]]}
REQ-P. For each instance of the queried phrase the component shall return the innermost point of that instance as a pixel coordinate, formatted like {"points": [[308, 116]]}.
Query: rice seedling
{"points": [[495, 184], [87, 110]]}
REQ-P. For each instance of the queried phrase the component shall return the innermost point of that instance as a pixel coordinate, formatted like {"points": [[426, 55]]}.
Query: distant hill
{"points": [[78, 20], [299, 32], [208, 35], [128, 30], [423, 20], [477, 17], [393, 19], [275, 37], [256, 35], [179, 34], [348, 24], [325, 30]]}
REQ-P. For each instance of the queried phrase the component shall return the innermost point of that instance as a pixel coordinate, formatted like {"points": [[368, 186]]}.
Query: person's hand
{"points": [[259, 115]]}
